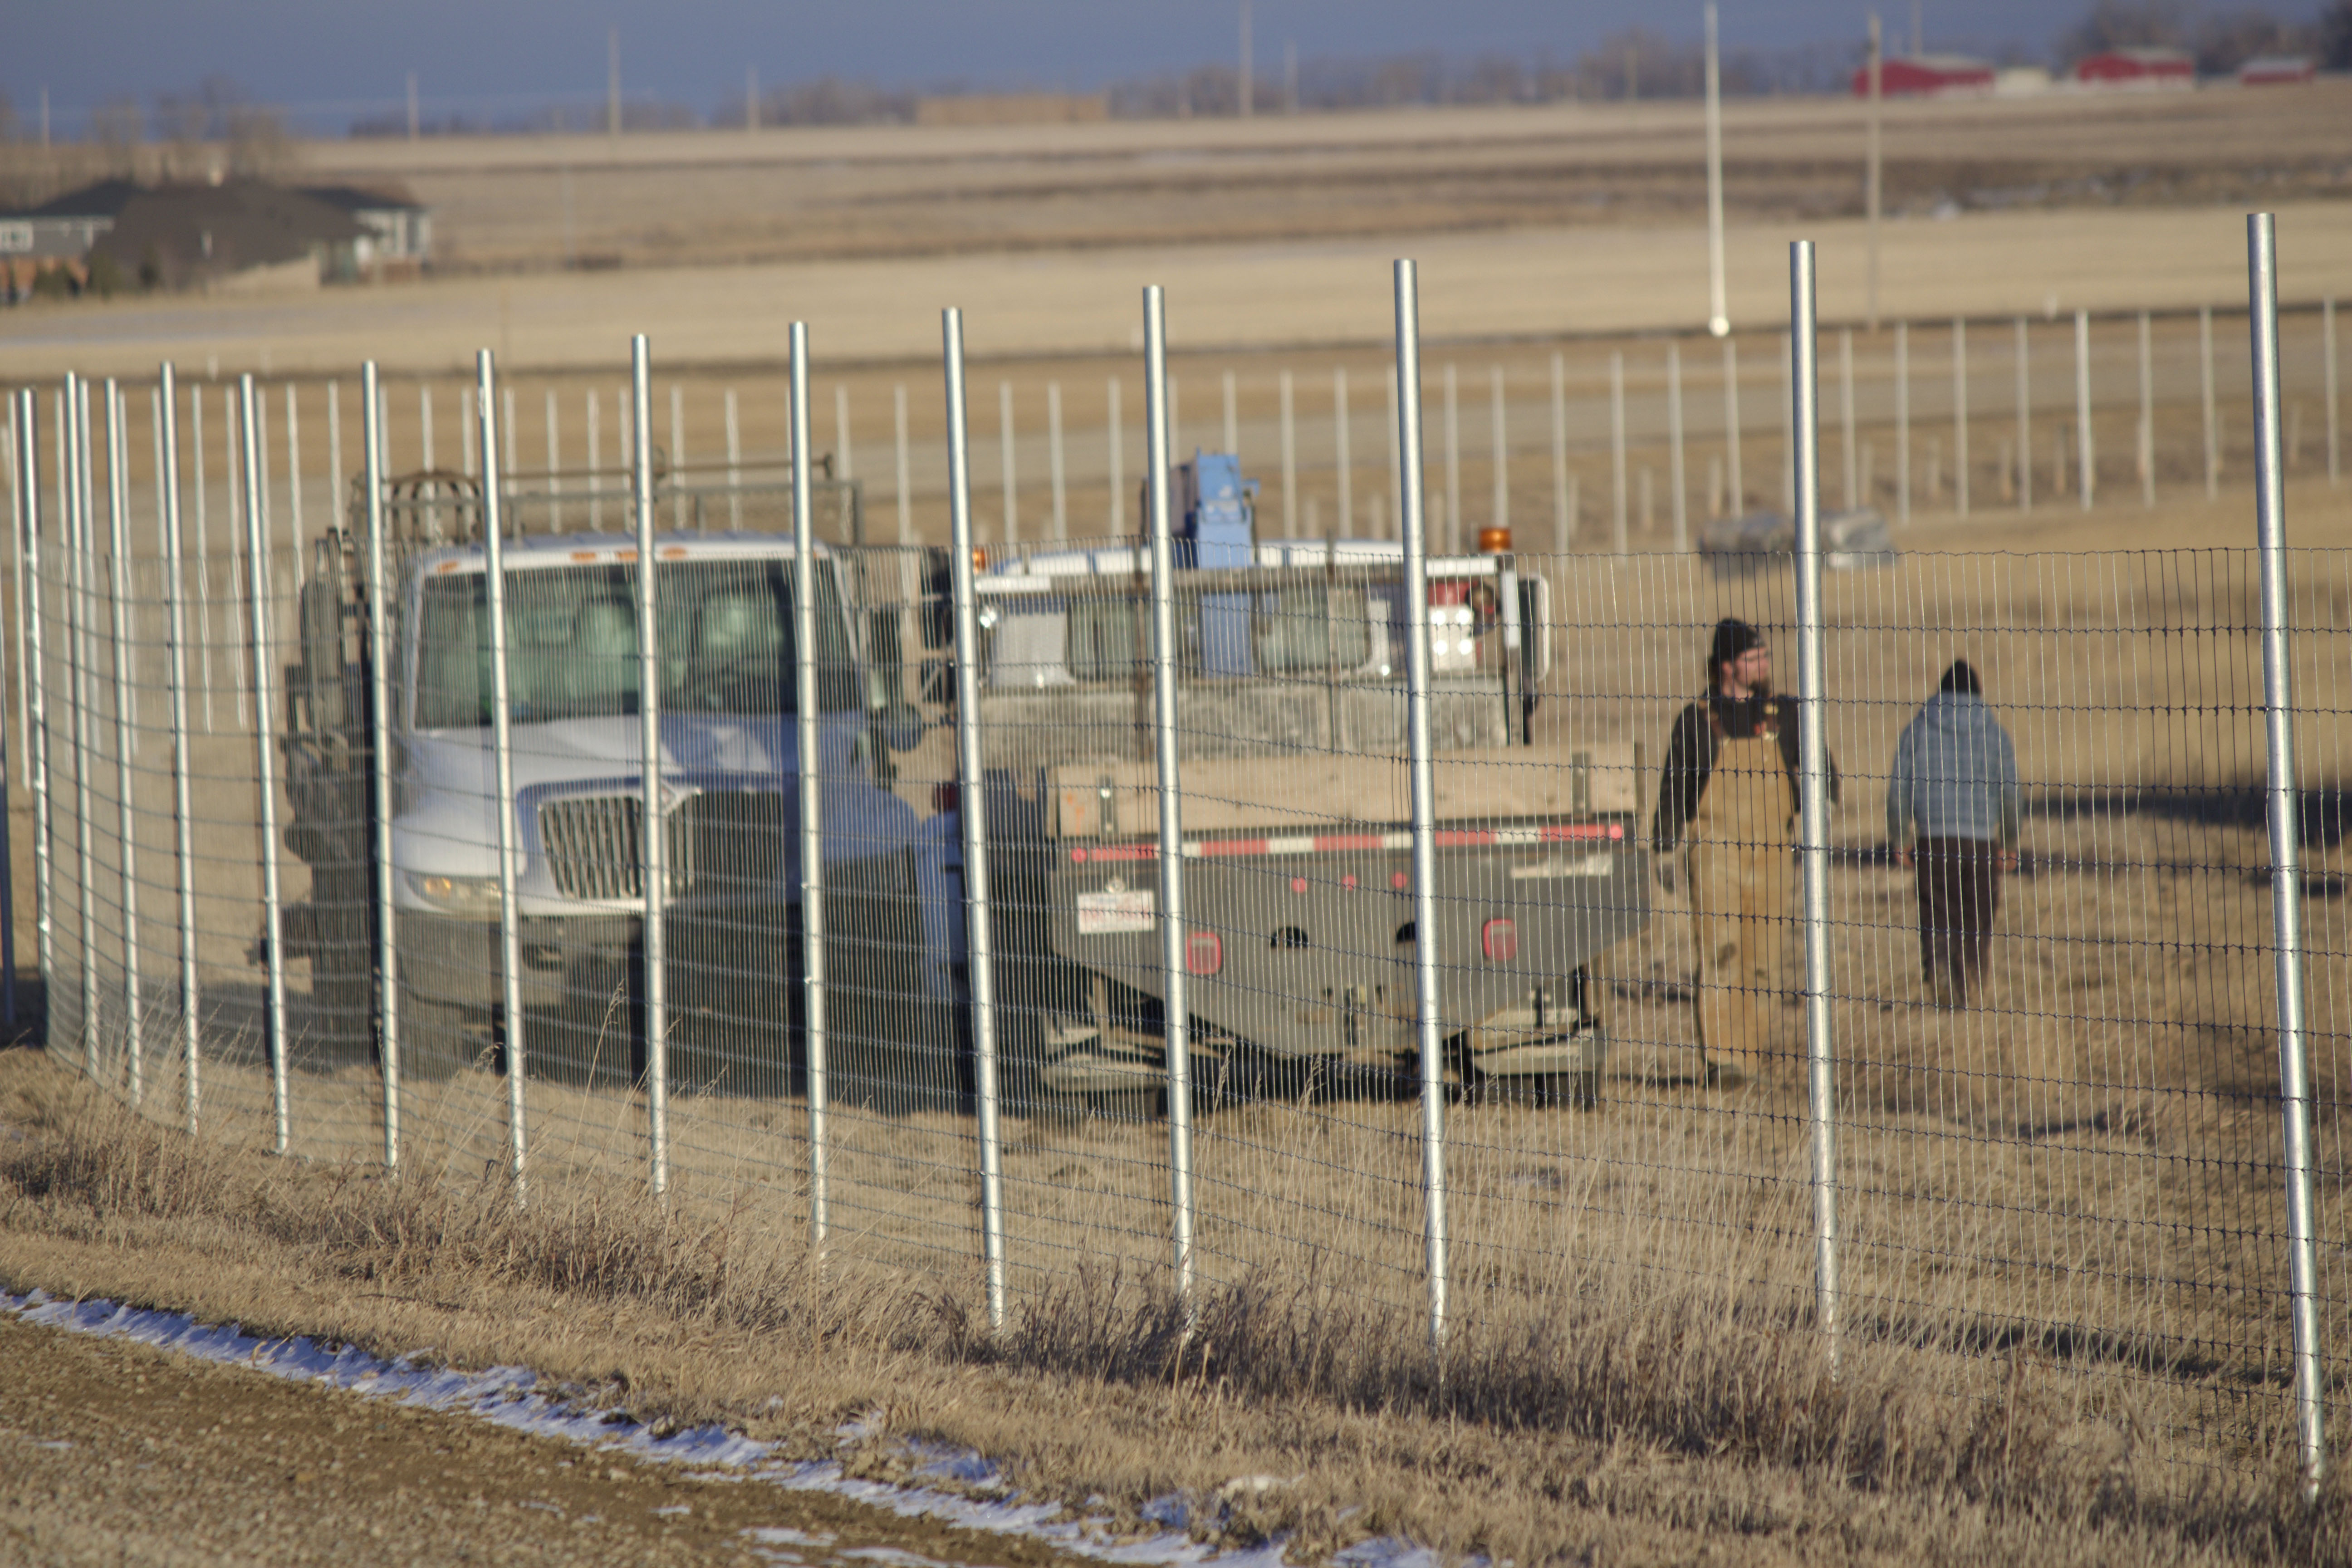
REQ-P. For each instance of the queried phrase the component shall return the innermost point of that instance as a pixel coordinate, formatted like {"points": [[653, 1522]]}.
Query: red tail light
{"points": [[1205, 953], [1500, 938]]}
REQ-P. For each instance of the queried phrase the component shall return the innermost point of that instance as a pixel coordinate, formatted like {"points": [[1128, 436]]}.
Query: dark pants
{"points": [[1959, 893]]}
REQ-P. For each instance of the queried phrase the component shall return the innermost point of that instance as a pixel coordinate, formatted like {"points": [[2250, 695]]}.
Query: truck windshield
{"points": [[726, 643]]}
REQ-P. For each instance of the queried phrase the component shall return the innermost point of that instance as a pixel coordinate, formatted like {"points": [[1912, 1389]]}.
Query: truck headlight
{"points": [[457, 894]]}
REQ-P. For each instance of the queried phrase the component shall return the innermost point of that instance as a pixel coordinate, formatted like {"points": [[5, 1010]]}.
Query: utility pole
{"points": [[1248, 87], [1877, 74], [1718, 315], [612, 83], [413, 126], [750, 98]]}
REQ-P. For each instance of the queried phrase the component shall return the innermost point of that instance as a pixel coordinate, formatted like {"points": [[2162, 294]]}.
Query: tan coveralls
{"points": [[1741, 876]]}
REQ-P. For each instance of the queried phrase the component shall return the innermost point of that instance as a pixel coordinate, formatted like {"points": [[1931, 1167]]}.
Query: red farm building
{"points": [[1928, 76], [2143, 67]]}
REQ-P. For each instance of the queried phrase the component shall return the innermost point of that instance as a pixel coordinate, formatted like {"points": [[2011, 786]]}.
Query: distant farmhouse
{"points": [[238, 235]]}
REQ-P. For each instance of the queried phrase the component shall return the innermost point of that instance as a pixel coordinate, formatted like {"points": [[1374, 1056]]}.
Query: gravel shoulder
{"points": [[119, 1453]]}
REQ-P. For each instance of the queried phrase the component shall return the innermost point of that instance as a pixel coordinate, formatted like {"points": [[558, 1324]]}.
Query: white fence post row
{"points": [[175, 603], [380, 692], [34, 673], [972, 795], [1813, 828], [502, 790], [653, 843], [126, 682], [1176, 1014], [18, 480], [811, 793], [265, 744], [2285, 830], [1429, 1027]]}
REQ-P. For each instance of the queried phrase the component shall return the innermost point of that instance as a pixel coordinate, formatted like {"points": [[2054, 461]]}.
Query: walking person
{"points": [[1727, 798], [1951, 813]]}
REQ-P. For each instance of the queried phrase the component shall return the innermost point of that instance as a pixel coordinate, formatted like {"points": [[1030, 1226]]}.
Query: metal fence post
{"points": [[2212, 414], [1429, 1028], [1616, 451], [80, 548], [2285, 828], [381, 698], [35, 677], [117, 484], [1903, 422], [811, 789], [1005, 461], [1342, 457], [1960, 414], [183, 815], [1498, 400], [2328, 374], [1733, 477], [265, 746], [1680, 483], [653, 848], [2146, 442], [2024, 371], [1057, 470], [502, 769], [1813, 833], [971, 795], [1290, 456], [1165, 653]]}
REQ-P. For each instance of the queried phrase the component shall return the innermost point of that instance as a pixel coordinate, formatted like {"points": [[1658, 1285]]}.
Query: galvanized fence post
{"points": [[972, 796], [1429, 1027], [1165, 663], [381, 698], [1903, 422], [811, 787], [2286, 854], [183, 815], [78, 639], [265, 746], [1814, 830], [1733, 477], [653, 848], [502, 803], [118, 485], [2086, 451], [1616, 451], [35, 677], [1679, 483]]}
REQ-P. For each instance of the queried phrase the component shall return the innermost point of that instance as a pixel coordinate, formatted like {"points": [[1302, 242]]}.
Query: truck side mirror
{"points": [[898, 726]]}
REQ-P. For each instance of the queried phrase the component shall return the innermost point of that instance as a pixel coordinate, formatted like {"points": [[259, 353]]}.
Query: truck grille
{"points": [[717, 843]]}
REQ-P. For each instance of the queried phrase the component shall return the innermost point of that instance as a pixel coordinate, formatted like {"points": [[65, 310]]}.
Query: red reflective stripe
{"points": [[1228, 846], [1339, 841]]}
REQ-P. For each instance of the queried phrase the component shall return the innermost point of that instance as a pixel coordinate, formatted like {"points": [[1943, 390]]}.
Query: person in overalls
{"points": [[1727, 798]]}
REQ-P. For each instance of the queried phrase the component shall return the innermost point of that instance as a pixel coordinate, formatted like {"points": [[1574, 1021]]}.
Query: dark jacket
{"points": [[1690, 756]]}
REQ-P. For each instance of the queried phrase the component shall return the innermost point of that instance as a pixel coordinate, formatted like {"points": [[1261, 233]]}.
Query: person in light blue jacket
{"points": [[1951, 812]]}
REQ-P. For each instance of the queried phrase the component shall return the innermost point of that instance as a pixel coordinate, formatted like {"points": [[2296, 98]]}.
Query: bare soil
{"points": [[112, 1452]]}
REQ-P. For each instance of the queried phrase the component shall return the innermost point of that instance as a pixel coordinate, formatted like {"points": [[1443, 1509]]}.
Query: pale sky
{"points": [[484, 57]]}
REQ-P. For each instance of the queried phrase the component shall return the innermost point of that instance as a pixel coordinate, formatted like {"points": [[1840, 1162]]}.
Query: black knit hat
{"points": [[1733, 637], [1961, 677]]}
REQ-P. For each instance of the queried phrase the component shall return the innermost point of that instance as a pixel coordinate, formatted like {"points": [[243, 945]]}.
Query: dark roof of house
{"points": [[248, 223], [107, 198], [357, 198]]}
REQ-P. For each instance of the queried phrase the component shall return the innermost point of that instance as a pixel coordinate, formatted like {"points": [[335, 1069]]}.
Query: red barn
{"points": [[2136, 66], [1928, 76]]}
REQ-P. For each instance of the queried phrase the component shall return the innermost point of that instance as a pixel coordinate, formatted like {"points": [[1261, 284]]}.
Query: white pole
{"points": [[294, 473], [1344, 462], [906, 500], [596, 462], [679, 501], [1846, 415], [2085, 453], [734, 463], [1115, 437], [1053, 454], [554, 467], [2024, 422], [1382, 515], [507, 428], [1004, 459], [1502, 427], [1678, 483], [425, 424], [1453, 521], [1788, 431], [844, 461], [334, 452], [1617, 448], [1960, 414], [465, 429], [1903, 421], [1289, 459], [1718, 314], [1737, 482], [2212, 416], [1562, 519], [2147, 441]]}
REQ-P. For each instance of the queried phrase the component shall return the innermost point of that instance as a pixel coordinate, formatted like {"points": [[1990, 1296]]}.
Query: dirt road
{"points": [[118, 1453]]}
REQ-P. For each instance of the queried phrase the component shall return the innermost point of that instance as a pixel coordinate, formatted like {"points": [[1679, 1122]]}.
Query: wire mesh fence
{"points": [[2050, 1023]]}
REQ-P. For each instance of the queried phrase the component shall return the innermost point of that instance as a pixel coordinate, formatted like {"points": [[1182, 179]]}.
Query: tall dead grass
{"points": [[1705, 1376]]}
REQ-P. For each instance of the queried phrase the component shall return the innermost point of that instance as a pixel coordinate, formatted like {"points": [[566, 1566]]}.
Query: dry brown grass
{"points": [[1644, 1420]]}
